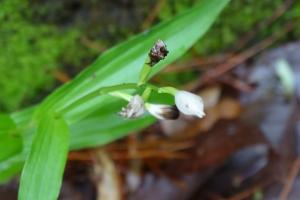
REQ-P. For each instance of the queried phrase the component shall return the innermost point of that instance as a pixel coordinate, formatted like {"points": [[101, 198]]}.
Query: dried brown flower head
{"points": [[158, 52]]}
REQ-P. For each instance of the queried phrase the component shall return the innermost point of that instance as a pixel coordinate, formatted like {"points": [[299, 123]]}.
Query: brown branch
{"points": [[196, 63], [236, 83], [290, 180], [242, 57]]}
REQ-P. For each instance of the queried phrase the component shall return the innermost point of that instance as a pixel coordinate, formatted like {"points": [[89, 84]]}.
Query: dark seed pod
{"points": [[158, 52]]}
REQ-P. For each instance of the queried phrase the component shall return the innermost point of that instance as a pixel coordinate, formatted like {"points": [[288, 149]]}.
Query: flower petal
{"points": [[189, 103], [135, 108]]}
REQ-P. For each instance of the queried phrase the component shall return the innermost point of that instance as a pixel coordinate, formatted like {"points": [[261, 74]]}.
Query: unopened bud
{"points": [[189, 103]]}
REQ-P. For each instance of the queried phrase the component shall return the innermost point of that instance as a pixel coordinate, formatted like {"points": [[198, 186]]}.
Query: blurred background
{"points": [[246, 68]]}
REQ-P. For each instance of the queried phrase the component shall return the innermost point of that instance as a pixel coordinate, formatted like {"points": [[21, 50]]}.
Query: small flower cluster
{"points": [[185, 102]]}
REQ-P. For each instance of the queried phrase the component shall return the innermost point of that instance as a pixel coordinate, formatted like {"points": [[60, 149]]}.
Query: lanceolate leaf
{"points": [[10, 138], [6, 123], [105, 129], [43, 170], [10, 167]]}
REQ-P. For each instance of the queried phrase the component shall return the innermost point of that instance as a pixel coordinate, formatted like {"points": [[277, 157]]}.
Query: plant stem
{"points": [[167, 90], [145, 72], [147, 92], [121, 95]]}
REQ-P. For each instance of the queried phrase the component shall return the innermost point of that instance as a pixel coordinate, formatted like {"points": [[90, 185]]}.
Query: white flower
{"points": [[163, 112], [135, 108], [189, 103]]}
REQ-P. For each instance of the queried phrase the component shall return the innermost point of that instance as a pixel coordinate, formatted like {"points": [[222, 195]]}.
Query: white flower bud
{"points": [[135, 108], [163, 112], [189, 103]]}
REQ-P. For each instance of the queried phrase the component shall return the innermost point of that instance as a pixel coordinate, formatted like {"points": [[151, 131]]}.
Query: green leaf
{"points": [[6, 123], [43, 170], [11, 167], [101, 130], [23, 118], [10, 139], [9, 145]]}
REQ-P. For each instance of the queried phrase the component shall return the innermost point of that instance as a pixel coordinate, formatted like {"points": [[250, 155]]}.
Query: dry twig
{"points": [[290, 180], [242, 57]]}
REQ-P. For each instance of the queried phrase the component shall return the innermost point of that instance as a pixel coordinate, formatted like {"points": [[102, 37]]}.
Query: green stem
{"points": [[168, 90], [145, 72], [101, 91], [147, 92], [121, 95]]}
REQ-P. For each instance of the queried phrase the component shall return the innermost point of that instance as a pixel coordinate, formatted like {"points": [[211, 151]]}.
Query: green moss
{"points": [[29, 53]]}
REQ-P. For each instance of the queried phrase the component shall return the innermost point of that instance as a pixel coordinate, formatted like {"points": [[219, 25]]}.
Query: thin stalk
{"points": [[147, 92], [145, 72], [167, 90], [121, 95]]}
